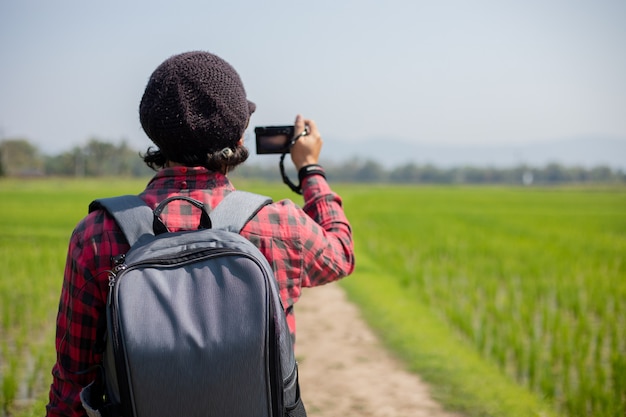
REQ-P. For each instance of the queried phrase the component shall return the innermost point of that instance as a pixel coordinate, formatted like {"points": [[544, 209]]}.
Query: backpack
{"points": [[195, 323]]}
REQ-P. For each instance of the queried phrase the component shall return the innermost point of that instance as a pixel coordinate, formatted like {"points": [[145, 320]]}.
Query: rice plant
{"points": [[535, 279]]}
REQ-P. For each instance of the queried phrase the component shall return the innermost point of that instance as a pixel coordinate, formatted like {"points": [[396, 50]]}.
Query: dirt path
{"points": [[344, 370]]}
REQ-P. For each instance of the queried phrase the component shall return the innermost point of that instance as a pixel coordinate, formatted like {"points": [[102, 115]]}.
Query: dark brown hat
{"points": [[194, 103]]}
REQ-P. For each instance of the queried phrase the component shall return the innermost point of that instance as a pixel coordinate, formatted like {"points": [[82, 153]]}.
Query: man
{"points": [[195, 110]]}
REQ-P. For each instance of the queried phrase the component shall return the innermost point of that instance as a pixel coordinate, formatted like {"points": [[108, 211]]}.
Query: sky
{"points": [[449, 72]]}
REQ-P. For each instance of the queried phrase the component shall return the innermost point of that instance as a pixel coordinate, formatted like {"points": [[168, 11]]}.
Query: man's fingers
{"points": [[299, 125]]}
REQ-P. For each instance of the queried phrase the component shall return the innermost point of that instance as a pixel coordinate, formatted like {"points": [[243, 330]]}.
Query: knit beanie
{"points": [[194, 103]]}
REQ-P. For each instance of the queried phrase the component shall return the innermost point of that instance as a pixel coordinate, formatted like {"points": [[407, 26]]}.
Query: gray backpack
{"points": [[195, 324]]}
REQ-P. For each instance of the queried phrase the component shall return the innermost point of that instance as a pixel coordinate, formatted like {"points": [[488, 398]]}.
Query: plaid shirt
{"points": [[306, 247]]}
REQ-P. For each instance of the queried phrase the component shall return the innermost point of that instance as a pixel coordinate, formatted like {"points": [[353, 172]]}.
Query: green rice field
{"points": [[509, 301]]}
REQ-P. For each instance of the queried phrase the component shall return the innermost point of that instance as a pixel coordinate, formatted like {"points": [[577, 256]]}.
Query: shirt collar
{"points": [[192, 177]]}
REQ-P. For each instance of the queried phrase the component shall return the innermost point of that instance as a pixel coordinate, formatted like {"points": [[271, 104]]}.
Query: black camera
{"points": [[273, 139]]}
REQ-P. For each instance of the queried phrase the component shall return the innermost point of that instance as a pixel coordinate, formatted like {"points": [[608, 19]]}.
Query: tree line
{"points": [[98, 158]]}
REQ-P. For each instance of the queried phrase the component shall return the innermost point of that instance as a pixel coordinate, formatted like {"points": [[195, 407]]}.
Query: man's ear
{"points": [[239, 142]]}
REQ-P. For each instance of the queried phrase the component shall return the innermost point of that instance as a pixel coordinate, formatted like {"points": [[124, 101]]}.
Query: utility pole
{"points": [[4, 158]]}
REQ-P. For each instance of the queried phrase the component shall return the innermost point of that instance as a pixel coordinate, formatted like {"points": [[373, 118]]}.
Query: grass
{"points": [[509, 301], [533, 280], [37, 220], [430, 346]]}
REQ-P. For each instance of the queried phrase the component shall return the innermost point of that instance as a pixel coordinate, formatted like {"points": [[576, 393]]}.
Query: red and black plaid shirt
{"points": [[306, 247]]}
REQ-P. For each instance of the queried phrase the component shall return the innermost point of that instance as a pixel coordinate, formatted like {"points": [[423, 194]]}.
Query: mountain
{"points": [[586, 152]]}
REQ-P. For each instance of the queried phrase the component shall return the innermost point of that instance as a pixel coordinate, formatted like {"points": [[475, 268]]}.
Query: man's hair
{"points": [[195, 110], [216, 161]]}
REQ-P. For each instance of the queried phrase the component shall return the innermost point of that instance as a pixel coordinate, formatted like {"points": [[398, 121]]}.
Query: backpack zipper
{"points": [[181, 258]]}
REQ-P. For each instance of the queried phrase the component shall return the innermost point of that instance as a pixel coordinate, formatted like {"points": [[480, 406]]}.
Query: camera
{"points": [[273, 139]]}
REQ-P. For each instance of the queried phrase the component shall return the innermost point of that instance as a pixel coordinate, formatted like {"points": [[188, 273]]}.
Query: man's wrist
{"points": [[308, 170]]}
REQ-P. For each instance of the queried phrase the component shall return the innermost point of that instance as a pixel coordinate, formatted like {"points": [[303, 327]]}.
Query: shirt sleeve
{"points": [[306, 246], [80, 320], [327, 245]]}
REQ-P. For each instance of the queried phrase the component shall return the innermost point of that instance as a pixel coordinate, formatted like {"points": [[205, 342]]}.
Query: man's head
{"points": [[195, 107]]}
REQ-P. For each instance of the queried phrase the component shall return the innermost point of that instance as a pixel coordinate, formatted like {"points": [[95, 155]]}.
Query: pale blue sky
{"points": [[437, 72]]}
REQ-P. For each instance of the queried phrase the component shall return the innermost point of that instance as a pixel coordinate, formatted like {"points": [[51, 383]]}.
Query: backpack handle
{"points": [[133, 215], [159, 227]]}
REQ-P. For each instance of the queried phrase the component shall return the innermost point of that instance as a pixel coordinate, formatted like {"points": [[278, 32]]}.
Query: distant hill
{"points": [[586, 152]]}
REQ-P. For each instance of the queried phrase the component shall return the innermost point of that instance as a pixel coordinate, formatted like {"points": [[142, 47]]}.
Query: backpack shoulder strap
{"points": [[131, 214], [236, 209]]}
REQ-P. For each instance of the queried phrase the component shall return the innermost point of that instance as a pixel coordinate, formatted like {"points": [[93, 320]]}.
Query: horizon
{"points": [[586, 153]]}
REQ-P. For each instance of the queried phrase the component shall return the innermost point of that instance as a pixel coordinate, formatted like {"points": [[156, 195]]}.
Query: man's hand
{"points": [[306, 150]]}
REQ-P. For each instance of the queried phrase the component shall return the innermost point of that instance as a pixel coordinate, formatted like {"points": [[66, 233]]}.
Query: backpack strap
{"points": [[237, 209], [131, 214], [135, 218]]}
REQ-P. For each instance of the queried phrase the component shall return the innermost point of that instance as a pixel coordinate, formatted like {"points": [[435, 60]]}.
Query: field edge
{"points": [[460, 379]]}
